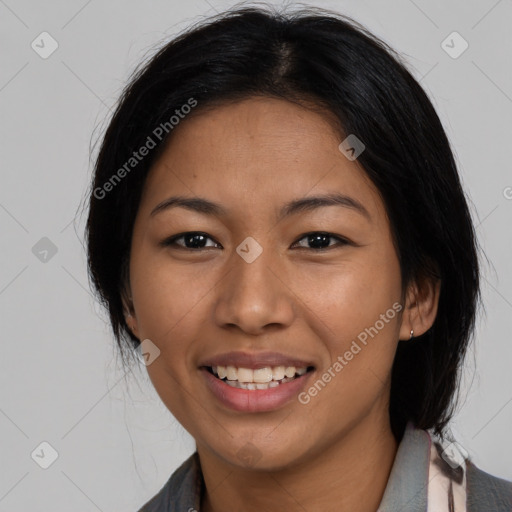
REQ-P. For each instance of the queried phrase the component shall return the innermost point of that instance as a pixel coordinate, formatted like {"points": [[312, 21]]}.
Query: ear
{"points": [[422, 300], [128, 309], [131, 321]]}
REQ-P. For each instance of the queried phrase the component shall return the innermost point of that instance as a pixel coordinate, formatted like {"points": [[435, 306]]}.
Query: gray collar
{"points": [[406, 489], [407, 486]]}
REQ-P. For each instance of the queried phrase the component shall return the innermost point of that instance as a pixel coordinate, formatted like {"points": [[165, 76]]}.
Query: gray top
{"points": [[406, 490]]}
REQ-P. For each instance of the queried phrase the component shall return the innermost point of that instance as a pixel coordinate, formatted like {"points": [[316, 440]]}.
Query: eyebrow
{"points": [[207, 207]]}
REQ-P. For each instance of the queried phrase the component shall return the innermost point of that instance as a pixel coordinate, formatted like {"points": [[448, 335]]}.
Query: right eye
{"points": [[192, 241]]}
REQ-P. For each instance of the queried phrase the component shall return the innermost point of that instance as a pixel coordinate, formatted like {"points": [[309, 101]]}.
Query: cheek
{"points": [[167, 299], [344, 299], [355, 309], [171, 309]]}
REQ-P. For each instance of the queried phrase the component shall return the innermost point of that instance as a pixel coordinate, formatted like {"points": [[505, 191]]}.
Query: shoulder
{"points": [[180, 492], [486, 492]]}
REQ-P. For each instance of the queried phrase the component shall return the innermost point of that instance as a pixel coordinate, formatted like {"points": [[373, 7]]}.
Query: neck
{"points": [[351, 475]]}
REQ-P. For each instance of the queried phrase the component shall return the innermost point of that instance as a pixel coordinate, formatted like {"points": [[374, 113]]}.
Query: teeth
{"points": [[278, 373], [262, 375], [290, 371], [230, 372], [261, 378], [245, 375], [255, 385]]}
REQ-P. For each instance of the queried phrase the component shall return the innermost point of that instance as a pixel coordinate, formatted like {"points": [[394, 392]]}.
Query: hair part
{"points": [[318, 58]]}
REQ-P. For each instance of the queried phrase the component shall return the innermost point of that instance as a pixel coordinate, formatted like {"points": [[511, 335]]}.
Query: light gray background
{"points": [[61, 379]]}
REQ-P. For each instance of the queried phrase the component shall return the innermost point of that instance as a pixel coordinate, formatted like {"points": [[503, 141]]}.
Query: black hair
{"points": [[309, 55]]}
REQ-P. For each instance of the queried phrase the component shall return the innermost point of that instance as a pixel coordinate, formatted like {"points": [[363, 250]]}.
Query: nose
{"points": [[254, 297]]}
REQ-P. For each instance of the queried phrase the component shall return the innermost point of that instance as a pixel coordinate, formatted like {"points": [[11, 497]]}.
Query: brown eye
{"points": [[191, 240], [319, 240]]}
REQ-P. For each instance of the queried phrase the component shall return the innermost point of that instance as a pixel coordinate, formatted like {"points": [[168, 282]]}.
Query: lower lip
{"points": [[257, 400]]}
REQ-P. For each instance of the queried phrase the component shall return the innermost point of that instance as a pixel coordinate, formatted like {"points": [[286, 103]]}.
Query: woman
{"points": [[277, 225]]}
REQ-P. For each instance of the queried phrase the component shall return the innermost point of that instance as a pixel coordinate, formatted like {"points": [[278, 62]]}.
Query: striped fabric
{"points": [[446, 478]]}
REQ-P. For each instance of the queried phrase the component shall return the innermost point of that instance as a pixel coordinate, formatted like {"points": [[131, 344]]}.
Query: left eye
{"points": [[318, 240]]}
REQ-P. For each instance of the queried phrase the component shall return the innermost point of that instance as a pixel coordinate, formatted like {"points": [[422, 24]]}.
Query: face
{"points": [[267, 283]]}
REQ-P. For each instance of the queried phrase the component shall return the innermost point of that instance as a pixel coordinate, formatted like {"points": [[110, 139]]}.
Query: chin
{"points": [[262, 456]]}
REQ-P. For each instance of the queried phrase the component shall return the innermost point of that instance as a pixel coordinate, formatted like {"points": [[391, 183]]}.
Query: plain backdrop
{"points": [[111, 442]]}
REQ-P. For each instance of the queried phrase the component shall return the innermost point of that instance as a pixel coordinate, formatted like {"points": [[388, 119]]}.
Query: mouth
{"points": [[251, 382], [257, 379]]}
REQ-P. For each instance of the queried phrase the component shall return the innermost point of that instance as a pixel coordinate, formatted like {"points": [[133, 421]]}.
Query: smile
{"points": [[260, 378], [239, 389]]}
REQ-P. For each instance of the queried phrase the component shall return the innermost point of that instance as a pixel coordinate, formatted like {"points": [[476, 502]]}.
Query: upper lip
{"points": [[255, 360]]}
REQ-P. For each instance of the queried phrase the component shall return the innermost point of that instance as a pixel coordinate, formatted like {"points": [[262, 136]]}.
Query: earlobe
{"points": [[127, 299], [129, 313], [132, 323]]}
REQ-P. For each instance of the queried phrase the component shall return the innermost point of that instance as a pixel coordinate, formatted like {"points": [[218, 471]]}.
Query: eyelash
{"points": [[171, 241]]}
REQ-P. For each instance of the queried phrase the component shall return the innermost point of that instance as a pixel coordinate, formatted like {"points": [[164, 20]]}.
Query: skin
{"points": [[336, 452]]}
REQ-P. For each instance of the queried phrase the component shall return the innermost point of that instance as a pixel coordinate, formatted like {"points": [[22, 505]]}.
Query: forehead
{"points": [[256, 152]]}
